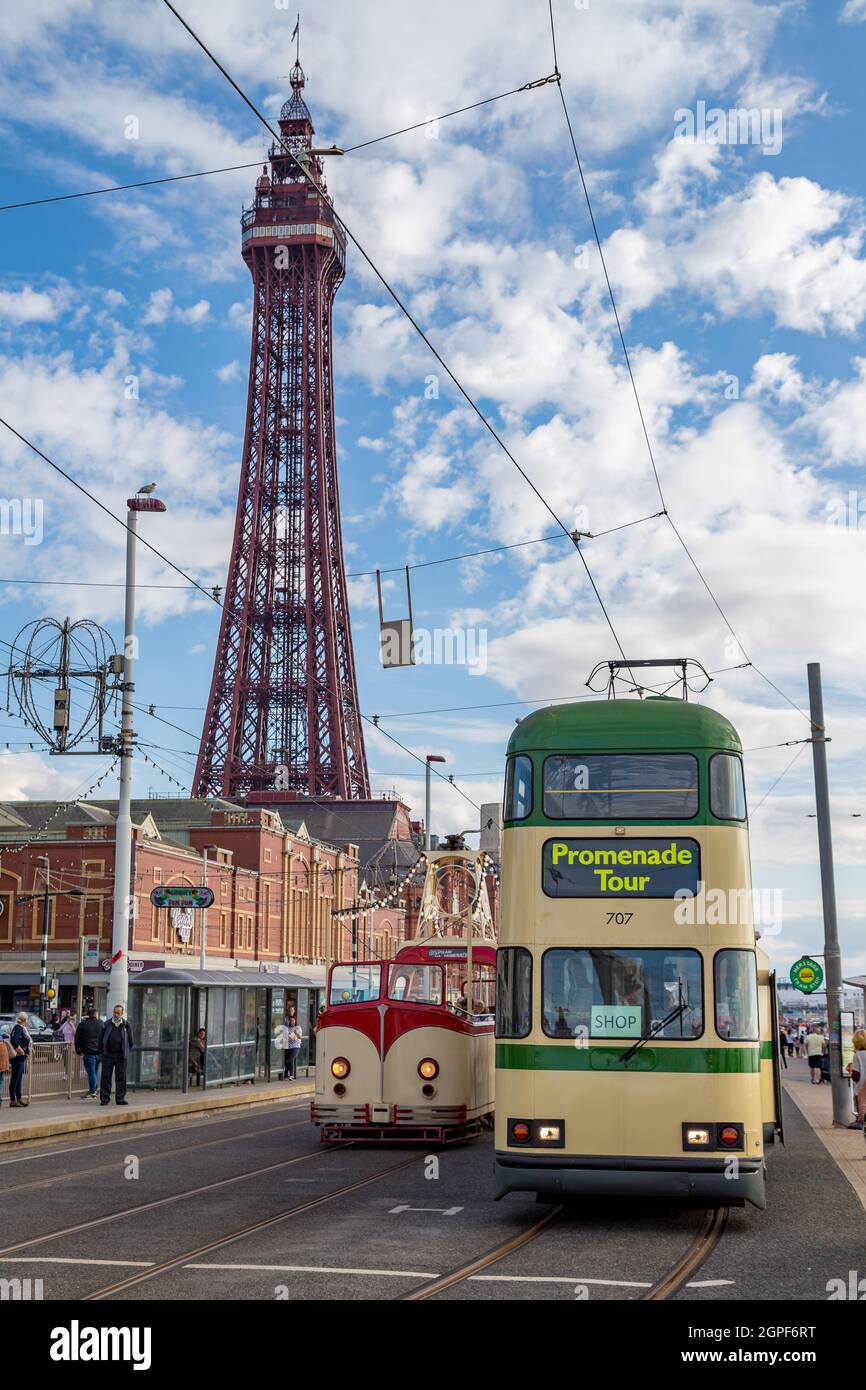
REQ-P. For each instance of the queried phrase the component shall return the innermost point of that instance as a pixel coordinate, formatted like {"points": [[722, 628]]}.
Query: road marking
{"points": [[375, 1273], [322, 1269], [58, 1260], [443, 1211]]}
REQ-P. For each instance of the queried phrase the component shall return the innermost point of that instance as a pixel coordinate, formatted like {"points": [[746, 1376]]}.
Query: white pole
{"points": [[118, 981], [201, 957], [427, 808]]}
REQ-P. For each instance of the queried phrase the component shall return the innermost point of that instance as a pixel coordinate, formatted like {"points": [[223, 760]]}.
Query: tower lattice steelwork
{"points": [[283, 711]]}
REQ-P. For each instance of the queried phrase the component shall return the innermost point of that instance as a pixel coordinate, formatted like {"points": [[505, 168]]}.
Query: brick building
{"points": [[275, 887]]}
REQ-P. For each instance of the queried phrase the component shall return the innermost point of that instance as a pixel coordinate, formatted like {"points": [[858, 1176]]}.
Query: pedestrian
{"points": [[293, 1046], [5, 1063], [116, 1044], [814, 1052], [281, 1042], [21, 1043], [783, 1047], [197, 1055], [857, 1071], [87, 1043], [67, 1028]]}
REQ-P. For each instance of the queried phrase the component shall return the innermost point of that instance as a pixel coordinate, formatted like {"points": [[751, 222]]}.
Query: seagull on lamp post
{"points": [[147, 489]]}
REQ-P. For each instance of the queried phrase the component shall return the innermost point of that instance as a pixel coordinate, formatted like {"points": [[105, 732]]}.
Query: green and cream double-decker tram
{"points": [[628, 1054]]}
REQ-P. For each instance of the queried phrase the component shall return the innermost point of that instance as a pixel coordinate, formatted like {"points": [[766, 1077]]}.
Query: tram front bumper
{"points": [[557, 1176]]}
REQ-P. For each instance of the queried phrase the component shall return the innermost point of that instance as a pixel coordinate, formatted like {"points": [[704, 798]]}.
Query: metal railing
{"points": [[54, 1069]]}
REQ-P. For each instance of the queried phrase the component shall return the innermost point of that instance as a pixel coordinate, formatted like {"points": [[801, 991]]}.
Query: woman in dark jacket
{"points": [[20, 1042]]}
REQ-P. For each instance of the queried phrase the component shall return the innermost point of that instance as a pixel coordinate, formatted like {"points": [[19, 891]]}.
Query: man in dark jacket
{"points": [[88, 1042], [115, 1046]]}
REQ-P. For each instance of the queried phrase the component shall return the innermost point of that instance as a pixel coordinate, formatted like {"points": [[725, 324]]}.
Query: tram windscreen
{"points": [[621, 994], [621, 786], [354, 984], [415, 984]]}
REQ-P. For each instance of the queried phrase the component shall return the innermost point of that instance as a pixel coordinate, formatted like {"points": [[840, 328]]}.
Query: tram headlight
{"points": [[697, 1136], [428, 1068], [549, 1134], [340, 1068]]}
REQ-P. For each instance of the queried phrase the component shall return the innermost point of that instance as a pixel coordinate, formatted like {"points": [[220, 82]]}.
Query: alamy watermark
{"points": [[22, 516], [739, 125], [440, 646], [730, 907]]}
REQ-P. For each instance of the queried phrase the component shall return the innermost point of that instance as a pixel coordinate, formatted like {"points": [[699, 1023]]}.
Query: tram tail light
{"points": [[521, 1132], [428, 1068], [731, 1136], [340, 1067], [428, 1090], [339, 1089]]}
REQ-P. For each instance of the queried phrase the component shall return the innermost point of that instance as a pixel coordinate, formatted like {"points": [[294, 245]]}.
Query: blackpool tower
{"points": [[283, 711]]}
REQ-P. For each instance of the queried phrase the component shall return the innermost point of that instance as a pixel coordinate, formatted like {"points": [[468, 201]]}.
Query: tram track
{"points": [[90, 1172], [691, 1260], [497, 1252], [159, 1202], [669, 1284], [154, 1127], [253, 1228]]}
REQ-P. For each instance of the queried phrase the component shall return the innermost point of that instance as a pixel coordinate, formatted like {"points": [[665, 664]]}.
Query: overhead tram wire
{"points": [[234, 168], [354, 574], [775, 784], [306, 174], [627, 359]]}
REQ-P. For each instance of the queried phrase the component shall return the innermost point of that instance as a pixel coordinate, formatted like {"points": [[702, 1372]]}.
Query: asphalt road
{"points": [[376, 1223]]}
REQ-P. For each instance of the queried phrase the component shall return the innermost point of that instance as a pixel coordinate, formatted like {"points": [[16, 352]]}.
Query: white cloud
{"points": [[230, 372], [161, 307], [853, 12], [27, 305]]}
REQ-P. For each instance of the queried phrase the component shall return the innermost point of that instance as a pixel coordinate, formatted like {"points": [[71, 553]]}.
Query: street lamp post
{"points": [[431, 758], [118, 982], [203, 943]]}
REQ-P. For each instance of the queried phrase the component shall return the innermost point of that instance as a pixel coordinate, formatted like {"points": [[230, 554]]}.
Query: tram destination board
{"points": [[181, 895], [604, 868]]}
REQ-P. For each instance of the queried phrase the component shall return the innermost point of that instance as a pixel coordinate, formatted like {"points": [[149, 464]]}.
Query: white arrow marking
{"points": [[443, 1211]]}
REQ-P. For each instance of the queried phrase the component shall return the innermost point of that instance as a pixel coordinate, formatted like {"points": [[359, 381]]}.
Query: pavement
{"points": [[815, 1103], [51, 1117]]}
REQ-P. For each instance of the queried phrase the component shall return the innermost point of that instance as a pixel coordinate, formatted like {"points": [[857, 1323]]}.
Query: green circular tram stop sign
{"points": [[806, 975]]}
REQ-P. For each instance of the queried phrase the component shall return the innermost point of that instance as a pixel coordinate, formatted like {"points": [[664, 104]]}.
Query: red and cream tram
{"points": [[404, 1049]]}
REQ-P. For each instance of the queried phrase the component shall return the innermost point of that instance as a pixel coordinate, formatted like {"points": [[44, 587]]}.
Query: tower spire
{"points": [[283, 713]]}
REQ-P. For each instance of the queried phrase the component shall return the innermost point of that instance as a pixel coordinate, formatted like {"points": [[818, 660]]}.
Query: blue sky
{"points": [[741, 282]]}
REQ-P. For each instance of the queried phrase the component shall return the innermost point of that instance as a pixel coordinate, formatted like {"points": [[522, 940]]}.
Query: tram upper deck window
{"points": [[518, 787], [605, 993], [736, 982], [727, 792], [415, 984], [354, 984], [621, 786]]}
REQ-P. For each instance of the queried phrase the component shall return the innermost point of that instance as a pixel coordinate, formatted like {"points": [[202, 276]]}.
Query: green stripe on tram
{"points": [[715, 1061]]}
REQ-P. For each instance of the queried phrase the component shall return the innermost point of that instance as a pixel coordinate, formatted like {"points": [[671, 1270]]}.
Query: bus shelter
{"points": [[239, 1011]]}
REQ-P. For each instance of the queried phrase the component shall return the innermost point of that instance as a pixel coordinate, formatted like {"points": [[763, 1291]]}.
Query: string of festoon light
{"points": [[59, 808]]}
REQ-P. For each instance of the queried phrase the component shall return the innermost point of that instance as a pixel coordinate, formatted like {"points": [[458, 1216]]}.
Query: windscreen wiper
{"points": [[662, 1023]]}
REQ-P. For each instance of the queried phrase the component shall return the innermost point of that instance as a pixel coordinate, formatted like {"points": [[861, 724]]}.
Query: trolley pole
{"points": [[118, 981], [832, 956]]}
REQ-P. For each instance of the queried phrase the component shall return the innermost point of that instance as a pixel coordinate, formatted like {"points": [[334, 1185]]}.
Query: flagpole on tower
{"points": [[297, 36]]}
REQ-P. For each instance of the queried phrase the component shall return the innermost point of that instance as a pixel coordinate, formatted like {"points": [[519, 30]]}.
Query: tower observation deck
{"points": [[283, 711]]}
